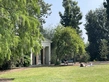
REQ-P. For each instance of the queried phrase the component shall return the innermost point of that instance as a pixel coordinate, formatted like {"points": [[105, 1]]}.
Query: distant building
{"points": [[44, 58]]}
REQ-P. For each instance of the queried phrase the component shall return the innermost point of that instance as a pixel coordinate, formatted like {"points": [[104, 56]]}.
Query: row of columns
{"points": [[45, 56]]}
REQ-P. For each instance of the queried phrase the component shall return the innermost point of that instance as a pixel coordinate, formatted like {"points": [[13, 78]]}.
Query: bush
{"points": [[53, 59], [23, 61], [57, 63], [6, 65], [84, 58], [26, 61]]}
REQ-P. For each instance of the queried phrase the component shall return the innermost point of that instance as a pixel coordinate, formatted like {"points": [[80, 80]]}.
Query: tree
{"points": [[67, 42], [97, 29], [103, 49], [106, 5], [19, 32], [72, 15], [49, 33], [45, 11]]}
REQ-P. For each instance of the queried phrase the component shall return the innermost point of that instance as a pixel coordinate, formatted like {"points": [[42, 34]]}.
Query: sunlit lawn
{"points": [[97, 73]]}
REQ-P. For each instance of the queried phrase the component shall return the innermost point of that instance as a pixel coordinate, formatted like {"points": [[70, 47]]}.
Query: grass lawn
{"points": [[97, 73]]}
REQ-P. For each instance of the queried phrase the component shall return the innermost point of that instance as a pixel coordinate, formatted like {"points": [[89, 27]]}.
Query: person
{"points": [[65, 61], [82, 65]]}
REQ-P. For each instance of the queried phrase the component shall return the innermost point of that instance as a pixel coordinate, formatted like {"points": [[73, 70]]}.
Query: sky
{"points": [[85, 6]]}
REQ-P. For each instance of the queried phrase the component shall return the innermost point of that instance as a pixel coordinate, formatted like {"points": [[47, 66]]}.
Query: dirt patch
{"points": [[12, 70]]}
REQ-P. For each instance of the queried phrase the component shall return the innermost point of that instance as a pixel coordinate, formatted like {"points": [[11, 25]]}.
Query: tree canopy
{"points": [[97, 30], [45, 11], [19, 32], [67, 42]]}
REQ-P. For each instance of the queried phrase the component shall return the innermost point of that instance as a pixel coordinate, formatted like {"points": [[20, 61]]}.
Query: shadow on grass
{"points": [[6, 79]]}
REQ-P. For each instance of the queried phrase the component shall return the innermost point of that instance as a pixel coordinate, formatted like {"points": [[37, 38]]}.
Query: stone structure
{"points": [[44, 57]]}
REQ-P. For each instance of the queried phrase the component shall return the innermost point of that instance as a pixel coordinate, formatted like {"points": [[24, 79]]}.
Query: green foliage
{"points": [[49, 33], [97, 29], [19, 32], [67, 42], [103, 49], [6, 64], [26, 61], [72, 15], [45, 11], [84, 57], [57, 63], [23, 61], [53, 58], [106, 5]]}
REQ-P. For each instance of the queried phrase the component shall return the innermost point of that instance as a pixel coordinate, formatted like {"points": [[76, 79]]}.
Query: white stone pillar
{"points": [[43, 55], [37, 57], [31, 55], [49, 56]]}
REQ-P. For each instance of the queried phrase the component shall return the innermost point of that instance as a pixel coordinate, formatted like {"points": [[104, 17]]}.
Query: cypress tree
{"points": [[72, 15]]}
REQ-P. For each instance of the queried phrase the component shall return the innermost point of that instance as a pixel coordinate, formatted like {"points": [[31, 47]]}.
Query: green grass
{"points": [[97, 73]]}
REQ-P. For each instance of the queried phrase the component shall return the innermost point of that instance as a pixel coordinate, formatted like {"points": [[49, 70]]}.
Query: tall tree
{"points": [[103, 49], [72, 15], [19, 32], [45, 10], [97, 29], [106, 5], [67, 42]]}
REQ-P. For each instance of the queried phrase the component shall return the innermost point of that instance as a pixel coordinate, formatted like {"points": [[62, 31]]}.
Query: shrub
{"points": [[23, 61], [6, 65], [26, 61], [53, 59], [57, 63], [84, 58]]}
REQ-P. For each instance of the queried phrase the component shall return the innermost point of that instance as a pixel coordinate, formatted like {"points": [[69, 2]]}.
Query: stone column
{"points": [[44, 56], [31, 55], [49, 55], [37, 57]]}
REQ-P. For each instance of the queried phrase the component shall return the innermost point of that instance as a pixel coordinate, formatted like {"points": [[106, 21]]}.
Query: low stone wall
{"points": [[100, 62], [89, 63]]}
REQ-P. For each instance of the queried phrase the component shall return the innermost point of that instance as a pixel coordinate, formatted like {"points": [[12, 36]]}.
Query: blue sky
{"points": [[85, 6]]}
